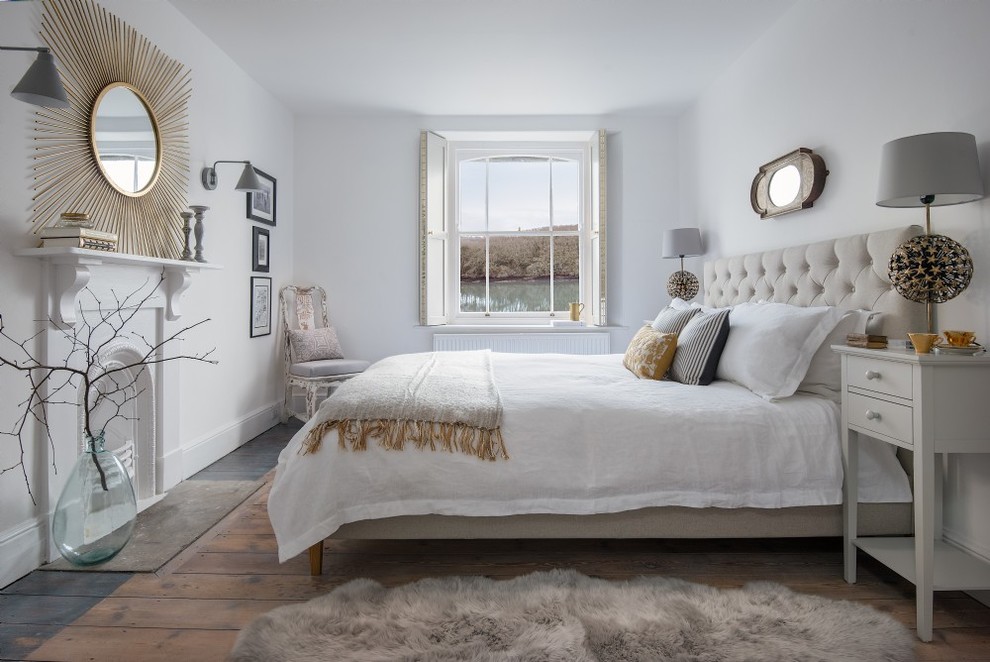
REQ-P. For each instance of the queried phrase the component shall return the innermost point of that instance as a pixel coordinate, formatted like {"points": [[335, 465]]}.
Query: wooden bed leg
{"points": [[316, 559]]}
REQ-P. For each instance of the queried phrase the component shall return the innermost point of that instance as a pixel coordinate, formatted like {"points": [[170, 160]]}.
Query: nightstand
{"points": [[929, 404]]}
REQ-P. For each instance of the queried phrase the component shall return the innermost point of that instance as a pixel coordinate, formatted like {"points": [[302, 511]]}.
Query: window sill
{"points": [[516, 328]]}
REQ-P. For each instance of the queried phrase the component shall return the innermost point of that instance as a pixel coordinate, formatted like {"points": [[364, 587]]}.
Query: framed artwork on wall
{"points": [[261, 205], [261, 306], [259, 249]]}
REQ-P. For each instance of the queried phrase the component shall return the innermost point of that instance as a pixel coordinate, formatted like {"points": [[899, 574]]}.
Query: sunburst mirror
{"points": [[120, 152]]}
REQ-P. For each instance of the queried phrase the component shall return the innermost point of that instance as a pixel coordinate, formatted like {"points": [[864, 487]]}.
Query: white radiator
{"points": [[524, 343]]}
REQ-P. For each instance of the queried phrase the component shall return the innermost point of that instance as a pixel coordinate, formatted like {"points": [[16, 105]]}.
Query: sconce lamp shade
{"points": [[41, 85], [682, 242], [249, 182], [942, 166]]}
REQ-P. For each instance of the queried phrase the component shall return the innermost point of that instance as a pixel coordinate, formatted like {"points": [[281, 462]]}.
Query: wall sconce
{"points": [[682, 242], [930, 170], [248, 182], [41, 84]]}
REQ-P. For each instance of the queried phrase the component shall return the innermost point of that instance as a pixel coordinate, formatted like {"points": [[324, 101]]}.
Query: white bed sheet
{"points": [[586, 436]]}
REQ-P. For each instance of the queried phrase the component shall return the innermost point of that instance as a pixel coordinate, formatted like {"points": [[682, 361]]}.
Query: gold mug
{"points": [[923, 342], [959, 338], [576, 310]]}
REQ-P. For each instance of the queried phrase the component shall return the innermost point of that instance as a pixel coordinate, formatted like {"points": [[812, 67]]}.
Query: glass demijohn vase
{"points": [[96, 511]]}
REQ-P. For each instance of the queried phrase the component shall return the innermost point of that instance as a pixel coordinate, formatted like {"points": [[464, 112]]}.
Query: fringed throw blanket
{"points": [[440, 401]]}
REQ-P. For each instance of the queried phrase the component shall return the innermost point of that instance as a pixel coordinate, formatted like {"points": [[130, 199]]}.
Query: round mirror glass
{"points": [[785, 184], [125, 139]]}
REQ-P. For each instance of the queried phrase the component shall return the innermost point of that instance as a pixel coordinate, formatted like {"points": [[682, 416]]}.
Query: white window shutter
{"points": [[432, 229], [596, 241]]}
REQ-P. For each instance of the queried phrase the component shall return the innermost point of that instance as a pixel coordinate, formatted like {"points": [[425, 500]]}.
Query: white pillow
{"points": [[770, 345], [824, 376]]}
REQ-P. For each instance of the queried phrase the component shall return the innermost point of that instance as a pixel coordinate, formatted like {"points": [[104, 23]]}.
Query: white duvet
{"points": [[584, 436]]}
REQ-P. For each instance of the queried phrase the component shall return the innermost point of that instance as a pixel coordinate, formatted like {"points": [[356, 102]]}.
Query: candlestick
{"points": [[186, 229], [198, 230]]}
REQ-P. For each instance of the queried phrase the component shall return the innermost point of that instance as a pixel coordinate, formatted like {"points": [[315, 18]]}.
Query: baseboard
{"points": [[202, 452], [22, 550], [976, 549]]}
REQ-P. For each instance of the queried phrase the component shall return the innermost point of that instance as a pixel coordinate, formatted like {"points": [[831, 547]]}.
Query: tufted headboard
{"points": [[850, 272]]}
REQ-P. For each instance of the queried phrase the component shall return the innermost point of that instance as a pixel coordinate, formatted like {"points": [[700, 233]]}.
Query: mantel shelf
{"points": [[71, 273]]}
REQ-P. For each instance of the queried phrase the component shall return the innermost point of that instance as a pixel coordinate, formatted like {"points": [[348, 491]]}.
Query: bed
{"points": [[585, 456]]}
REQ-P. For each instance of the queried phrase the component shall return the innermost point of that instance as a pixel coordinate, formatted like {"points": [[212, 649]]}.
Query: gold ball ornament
{"points": [[683, 284], [930, 267]]}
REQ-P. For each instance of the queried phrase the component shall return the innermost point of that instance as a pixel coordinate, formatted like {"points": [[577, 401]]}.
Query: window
{"points": [[512, 230]]}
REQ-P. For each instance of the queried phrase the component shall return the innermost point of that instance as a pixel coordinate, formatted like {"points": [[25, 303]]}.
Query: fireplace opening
{"points": [[126, 414]]}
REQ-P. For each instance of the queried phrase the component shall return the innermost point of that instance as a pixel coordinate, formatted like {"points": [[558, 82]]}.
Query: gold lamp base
{"points": [[930, 269], [683, 284]]}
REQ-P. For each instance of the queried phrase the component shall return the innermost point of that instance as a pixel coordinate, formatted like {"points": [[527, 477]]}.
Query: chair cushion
{"points": [[314, 344], [327, 368]]}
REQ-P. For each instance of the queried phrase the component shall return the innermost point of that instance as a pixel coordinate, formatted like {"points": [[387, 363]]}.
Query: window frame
{"points": [[470, 151], [439, 236]]}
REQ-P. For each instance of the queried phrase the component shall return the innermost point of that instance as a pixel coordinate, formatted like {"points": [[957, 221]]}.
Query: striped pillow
{"points": [[673, 320], [699, 347]]}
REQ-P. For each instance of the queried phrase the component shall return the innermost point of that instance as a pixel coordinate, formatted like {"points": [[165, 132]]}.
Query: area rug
{"points": [[563, 615], [162, 531]]}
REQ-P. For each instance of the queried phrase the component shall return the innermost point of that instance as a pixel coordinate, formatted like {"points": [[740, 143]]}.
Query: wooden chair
{"points": [[304, 309]]}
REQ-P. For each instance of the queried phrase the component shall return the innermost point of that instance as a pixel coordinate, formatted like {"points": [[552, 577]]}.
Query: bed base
{"points": [[650, 523]]}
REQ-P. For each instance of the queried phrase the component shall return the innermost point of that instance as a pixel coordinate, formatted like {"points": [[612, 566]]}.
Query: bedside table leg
{"points": [[924, 538], [850, 500]]}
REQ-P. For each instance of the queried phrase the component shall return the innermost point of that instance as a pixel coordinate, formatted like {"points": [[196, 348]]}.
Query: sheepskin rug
{"points": [[563, 615]]}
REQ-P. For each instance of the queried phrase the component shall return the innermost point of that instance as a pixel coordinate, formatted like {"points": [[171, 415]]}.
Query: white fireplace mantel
{"points": [[72, 270]]}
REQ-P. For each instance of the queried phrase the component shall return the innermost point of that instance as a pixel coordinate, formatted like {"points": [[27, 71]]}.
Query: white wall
{"points": [[843, 77], [230, 117], [357, 220]]}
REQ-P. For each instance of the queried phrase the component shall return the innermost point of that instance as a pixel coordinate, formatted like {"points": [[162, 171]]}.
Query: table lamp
{"points": [[682, 242], [930, 170]]}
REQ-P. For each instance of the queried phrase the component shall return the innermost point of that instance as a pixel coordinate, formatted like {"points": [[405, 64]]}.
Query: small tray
{"points": [[973, 349]]}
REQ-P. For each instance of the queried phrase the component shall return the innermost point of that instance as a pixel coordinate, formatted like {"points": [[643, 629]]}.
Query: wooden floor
{"points": [[193, 608]]}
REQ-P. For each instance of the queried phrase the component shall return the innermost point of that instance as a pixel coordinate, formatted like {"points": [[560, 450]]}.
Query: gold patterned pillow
{"points": [[650, 353]]}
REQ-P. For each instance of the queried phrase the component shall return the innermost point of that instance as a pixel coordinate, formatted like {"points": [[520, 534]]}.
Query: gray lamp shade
{"points": [[944, 165], [249, 181], [41, 84], [681, 242]]}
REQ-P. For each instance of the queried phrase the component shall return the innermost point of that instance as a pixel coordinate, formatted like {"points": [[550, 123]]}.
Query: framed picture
{"points": [[261, 205], [259, 249], [261, 306]]}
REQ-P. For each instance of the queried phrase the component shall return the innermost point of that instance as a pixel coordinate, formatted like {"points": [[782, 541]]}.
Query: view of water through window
{"points": [[519, 296], [519, 223]]}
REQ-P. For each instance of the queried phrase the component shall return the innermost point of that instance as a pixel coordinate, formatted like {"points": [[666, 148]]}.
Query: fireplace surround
{"points": [[76, 284]]}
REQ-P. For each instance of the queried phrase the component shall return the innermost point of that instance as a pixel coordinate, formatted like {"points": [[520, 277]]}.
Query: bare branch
{"points": [[80, 378]]}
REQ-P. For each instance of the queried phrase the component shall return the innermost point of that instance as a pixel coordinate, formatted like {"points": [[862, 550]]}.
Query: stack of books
{"points": [[867, 340], [78, 237]]}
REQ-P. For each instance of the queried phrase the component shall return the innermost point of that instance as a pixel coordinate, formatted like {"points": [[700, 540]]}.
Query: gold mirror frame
{"points": [[811, 168], [96, 49], [154, 128]]}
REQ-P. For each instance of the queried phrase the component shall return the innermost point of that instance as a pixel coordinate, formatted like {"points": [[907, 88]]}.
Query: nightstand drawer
{"points": [[880, 376], [882, 417]]}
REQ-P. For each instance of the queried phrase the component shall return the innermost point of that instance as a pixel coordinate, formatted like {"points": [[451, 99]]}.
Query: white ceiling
{"points": [[484, 57]]}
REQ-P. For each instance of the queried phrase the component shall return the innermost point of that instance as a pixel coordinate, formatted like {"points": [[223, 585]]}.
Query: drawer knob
{"points": [[872, 374], [872, 415]]}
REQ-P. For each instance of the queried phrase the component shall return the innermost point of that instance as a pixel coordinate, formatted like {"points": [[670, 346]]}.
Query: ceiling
{"points": [[484, 57]]}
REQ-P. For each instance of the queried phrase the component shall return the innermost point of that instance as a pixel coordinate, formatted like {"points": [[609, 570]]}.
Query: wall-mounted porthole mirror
{"points": [[793, 181], [124, 136]]}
